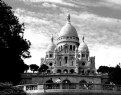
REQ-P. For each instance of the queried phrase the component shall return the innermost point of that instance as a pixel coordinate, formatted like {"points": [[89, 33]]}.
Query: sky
{"points": [[98, 20]]}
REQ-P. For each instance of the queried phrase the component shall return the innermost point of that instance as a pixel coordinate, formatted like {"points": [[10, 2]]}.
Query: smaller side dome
{"points": [[83, 46], [51, 46]]}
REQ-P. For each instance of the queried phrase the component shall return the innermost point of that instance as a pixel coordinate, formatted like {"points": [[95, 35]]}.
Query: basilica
{"points": [[71, 70], [69, 54], [68, 60]]}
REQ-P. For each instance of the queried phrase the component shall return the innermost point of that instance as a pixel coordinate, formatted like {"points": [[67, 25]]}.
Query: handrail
{"points": [[77, 86]]}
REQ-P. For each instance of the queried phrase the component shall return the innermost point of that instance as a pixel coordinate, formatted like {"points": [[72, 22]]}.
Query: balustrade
{"points": [[76, 86], [31, 87]]}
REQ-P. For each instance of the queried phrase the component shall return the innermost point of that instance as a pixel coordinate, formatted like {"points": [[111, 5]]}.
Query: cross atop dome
{"points": [[83, 38], [52, 38], [68, 18]]}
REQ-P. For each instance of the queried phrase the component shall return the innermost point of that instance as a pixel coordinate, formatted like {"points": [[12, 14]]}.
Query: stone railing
{"points": [[41, 88]]}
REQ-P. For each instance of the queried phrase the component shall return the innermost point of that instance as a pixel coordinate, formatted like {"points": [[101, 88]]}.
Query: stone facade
{"points": [[68, 60], [68, 55]]}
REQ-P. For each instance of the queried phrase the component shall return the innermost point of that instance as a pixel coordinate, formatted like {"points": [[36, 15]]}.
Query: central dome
{"points": [[68, 33], [68, 30]]}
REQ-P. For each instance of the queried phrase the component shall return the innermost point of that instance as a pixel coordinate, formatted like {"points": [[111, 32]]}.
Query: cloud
{"points": [[102, 34], [118, 2], [48, 5], [29, 19], [62, 2], [99, 29]]}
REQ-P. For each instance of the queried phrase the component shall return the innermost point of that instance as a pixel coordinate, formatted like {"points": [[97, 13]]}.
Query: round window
{"points": [[50, 64]]}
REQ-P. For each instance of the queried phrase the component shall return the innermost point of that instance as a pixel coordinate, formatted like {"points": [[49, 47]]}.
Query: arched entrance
{"points": [[82, 84], [65, 84], [72, 71], [59, 71], [65, 71], [49, 83]]}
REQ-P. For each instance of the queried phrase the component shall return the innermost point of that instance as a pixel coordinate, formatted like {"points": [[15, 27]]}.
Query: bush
{"points": [[7, 89]]}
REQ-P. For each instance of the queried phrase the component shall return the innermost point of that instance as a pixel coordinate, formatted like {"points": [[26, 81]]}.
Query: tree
{"points": [[103, 69], [13, 47], [34, 67], [25, 67], [115, 75], [43, 68]]}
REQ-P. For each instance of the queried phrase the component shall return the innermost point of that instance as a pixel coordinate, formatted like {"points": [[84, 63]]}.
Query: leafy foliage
{"points": [[114, 73], [25, 67], [103, 69], [34, 67], [12, 45], [6, 89], [43, 68]]}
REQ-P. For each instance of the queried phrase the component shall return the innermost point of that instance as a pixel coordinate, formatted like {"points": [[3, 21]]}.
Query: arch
{"points": [[65, 84], [49, 81], [58, 71], [70, 47], [65, 71], [74, 48], [66, 81], [83, 63], [58, 48], [47, 56], [66, 58], [72, 71], [83, 84], [83, 55]]}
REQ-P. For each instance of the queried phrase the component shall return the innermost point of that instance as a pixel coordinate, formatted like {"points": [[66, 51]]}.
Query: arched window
{"points": [[66, 58], [58, 48], [66, 81], [79, 56], [72, 63], [58, 71], [86, 55], [83, 55], [60, 63], [47, 56], [65, 71], [72, 71], [51, 55], [61, 47], [65, 84], [49, 81], [74, 48], [70, 47]]}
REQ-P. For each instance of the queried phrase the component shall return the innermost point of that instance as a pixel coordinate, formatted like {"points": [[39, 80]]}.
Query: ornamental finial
{"points": [[68, 17], [83, 38], [52, 38]]}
